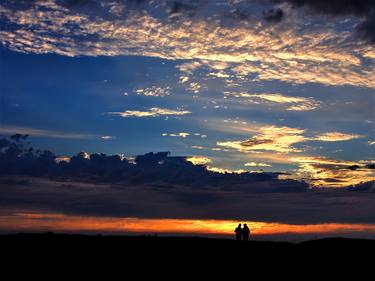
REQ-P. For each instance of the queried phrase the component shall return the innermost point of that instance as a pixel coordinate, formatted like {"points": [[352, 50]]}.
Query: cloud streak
{"points": [[10, 130], [336, 136], [152, 112], [292, 103]]}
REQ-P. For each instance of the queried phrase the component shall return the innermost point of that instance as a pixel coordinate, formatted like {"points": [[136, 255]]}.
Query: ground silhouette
{"points": [[75, 257]]}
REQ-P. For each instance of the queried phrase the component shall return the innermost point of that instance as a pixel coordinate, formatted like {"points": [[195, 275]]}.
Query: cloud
{"points": [[335, 7], [302, 48], [225, 171], [366, 28], [153, 112], [157, 185], [326, 172], [9, 130], [255, 164], [199, 160], [180, 135], [363, 9], [271, 138], [278, 139], [292, 103], [18, 158], [156, 201], [154, 91], [184, 135], [107, 137], [336, 136], [273, 15]]}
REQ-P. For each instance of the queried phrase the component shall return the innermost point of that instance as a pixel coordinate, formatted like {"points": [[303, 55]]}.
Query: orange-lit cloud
{"points": [[225, 171], [336, 136], [321, 171], [199, 160], [271, 138]]}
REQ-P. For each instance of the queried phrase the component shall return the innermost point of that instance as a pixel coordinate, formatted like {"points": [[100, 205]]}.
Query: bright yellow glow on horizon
{"points": [[29, 221]]}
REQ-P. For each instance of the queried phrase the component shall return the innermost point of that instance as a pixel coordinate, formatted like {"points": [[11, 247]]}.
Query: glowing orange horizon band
{"points": [[24, 221]]}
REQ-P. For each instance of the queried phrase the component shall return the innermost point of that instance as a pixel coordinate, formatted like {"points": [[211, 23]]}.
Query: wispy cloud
{"points": [[180, 135], [152, 112], [291, 102], [154, 91], [255, 164], [7, 130], [184, 135], [336, 136], [107, 137]]}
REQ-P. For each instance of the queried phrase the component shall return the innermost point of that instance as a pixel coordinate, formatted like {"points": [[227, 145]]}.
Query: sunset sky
{"points": [[237, 85]]}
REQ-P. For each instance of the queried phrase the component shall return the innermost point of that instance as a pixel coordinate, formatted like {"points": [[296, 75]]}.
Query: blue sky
{"points": [[242, 93]]}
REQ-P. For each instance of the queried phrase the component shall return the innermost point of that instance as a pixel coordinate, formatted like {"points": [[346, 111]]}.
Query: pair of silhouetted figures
{"points": [[242, 233]]}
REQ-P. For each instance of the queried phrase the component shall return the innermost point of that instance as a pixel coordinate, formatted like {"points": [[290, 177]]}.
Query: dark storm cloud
{"points": [[160, 201], [177, 7], [18, 158], [273, 15], [364, 9], [335, 7], [366, 30]]}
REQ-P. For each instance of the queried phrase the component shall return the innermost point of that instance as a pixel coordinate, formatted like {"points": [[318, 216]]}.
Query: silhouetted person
{"points": [[238, 232], [245, 233]]}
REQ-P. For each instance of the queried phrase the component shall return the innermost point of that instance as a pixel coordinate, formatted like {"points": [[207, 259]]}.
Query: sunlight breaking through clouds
{"points": [[194, 115], [218, 44], [282, 139], [322, 171]]}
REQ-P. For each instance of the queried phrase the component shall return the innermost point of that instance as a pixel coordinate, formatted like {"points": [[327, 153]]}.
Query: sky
{"points": [[237, 85]]}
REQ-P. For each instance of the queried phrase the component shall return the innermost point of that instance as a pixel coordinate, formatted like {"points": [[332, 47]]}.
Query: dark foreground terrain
{"points": [[76, 249], [78, 257]]}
